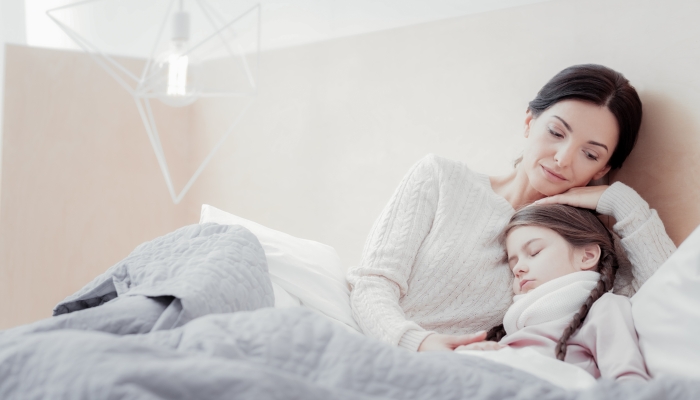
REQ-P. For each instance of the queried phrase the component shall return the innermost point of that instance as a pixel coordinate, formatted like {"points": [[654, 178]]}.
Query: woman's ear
{"points": [[528, 121], [601, 173], [587, 257]]}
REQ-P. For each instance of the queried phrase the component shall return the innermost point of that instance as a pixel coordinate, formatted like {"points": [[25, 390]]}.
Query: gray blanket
{"points": [[227, 343], [207, 268], [270, 354]]}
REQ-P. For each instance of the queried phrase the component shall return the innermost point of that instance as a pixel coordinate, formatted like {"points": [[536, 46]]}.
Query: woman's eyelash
{"points": [[591, 156], [557, 134]]}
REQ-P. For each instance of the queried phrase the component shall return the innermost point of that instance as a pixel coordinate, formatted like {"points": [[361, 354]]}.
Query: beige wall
{"points": [[337, 124], [81, 186], [333, 129]]}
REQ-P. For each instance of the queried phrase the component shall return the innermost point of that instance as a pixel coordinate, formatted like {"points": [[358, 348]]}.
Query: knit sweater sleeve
{"points": [[644, 237], [381, 279]]}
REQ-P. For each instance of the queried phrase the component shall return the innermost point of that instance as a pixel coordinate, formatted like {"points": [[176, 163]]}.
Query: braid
{"points": [[496, 333], [608, 268]]}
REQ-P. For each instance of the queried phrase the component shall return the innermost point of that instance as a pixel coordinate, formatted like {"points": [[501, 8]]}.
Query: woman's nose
{"points": [[563, 156]]}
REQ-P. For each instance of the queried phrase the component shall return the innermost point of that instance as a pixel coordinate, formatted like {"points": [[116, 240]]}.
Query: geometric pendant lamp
{"points": [[175, 52]]}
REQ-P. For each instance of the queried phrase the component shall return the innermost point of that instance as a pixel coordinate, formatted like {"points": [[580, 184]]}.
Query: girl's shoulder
{"points": [[610, 303]]}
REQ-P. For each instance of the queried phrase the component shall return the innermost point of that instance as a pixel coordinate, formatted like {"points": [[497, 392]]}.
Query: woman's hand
{"points": [[439, 342], [582, 197], [483, 346]]}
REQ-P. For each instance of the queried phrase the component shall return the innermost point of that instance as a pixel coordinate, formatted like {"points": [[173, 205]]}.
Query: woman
{"points": [[432, 271]]}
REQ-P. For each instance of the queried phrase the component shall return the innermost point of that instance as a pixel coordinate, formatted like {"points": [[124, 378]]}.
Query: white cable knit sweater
{"points": [[431, 262]]}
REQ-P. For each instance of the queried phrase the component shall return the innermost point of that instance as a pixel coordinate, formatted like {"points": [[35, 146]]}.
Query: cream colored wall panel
{"points": [[81, 186]]}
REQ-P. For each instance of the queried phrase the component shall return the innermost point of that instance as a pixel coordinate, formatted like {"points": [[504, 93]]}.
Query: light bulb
{"points": [[177, 74], [175, 71]]}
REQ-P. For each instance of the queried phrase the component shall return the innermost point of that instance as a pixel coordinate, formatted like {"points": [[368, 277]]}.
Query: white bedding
{"points": [[303, 272], [529, 360]]}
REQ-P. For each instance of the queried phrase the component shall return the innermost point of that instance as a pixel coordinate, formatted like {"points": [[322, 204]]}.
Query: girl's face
{"points": [[568, 145], [537, 255]]}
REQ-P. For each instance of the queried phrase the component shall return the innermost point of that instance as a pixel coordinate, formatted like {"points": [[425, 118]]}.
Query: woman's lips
{"points": [[552, 175]]}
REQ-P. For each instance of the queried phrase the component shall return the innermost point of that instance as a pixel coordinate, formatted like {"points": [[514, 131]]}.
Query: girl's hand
{"points": [[439, 342], [583, 197], [484, 346]]}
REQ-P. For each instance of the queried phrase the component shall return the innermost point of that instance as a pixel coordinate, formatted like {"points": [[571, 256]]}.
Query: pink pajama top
{"points": [[606, 345]]}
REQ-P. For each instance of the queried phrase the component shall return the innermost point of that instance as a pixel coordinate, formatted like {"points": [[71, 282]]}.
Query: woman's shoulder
{"points": [[446, 168], [432, 158]]}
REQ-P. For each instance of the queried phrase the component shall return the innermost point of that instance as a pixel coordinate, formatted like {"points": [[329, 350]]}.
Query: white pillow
{"points": [[666, 312], [283, 299], [301, 270]]}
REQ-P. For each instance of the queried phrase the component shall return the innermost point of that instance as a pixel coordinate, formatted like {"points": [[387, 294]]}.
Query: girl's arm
{"points": [[643, 236], [608, 333], [381, 279]]}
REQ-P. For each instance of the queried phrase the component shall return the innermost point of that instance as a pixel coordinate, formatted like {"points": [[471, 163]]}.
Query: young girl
{"points": [[564, 266]]}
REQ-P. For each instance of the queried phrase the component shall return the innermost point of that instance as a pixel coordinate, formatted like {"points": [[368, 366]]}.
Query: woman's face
{"points": [[568, 145]]}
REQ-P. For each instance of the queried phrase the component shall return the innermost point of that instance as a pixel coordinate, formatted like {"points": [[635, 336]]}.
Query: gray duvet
{"points": [[208, 268], [233, 345]]}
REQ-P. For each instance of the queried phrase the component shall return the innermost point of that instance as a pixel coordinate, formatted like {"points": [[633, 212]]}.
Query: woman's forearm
{"points": [[642, 232], [375, 306]]}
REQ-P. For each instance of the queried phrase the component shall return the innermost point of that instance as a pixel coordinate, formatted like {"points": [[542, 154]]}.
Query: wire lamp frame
{"points": [[178, 66]]}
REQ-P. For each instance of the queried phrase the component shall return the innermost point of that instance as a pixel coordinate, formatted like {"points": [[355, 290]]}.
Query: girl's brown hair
{"points": [[579, 227]]}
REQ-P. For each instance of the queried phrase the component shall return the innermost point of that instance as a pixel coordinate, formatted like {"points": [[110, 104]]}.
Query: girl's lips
{"points": [[551, 174], [523, 282]]}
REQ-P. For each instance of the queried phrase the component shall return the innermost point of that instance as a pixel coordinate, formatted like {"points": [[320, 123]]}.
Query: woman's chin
{"points": [[546, 188]]}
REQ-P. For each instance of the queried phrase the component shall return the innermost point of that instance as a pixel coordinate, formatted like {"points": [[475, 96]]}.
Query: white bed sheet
{"points": [[529, 360]]}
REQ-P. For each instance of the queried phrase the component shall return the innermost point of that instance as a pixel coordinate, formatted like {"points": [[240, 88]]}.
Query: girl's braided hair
{"points": [[579, 227]]}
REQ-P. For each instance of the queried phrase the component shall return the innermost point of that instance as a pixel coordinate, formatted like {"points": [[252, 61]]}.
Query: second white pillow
{"points": [[308, 271], [666, 312]]}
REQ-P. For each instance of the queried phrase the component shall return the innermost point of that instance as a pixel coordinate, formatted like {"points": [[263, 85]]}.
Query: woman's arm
{"points": [[381, 279], [644, 237]]}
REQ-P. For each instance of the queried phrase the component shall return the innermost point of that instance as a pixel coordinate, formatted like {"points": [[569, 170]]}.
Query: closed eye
{"points": [[555, 133], [535, 253], [591, 156]]}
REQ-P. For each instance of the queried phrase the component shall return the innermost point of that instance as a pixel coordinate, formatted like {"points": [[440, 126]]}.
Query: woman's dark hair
{"points": [[580, 228], [601, 86]]}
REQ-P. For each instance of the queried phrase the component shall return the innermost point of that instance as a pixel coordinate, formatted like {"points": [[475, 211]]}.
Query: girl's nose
{"points": [[519, 269]]}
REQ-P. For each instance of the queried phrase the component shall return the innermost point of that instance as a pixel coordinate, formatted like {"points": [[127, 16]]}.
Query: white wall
{"points": [[285, 22], [337, 124]]}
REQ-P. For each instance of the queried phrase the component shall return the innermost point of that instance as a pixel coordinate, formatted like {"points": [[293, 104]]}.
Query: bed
{"points": [[255, 313]]}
